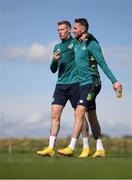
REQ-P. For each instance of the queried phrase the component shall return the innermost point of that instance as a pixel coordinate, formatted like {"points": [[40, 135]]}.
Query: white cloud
{"points": [[119, 55], [34, 121], [36, 124], [35, 118], [35, 53]]}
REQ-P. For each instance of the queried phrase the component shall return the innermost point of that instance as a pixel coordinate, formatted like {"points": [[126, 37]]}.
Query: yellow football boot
{"points": [[48, 151], [99, 153], [66, 151], [85, 153]]}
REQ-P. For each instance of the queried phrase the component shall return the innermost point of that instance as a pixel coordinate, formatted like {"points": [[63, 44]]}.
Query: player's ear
{"points": [[69, 30], [83, 29]]}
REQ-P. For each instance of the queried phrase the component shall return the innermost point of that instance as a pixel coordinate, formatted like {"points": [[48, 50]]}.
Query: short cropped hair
{"points": [[67, 23], [83, 22]]}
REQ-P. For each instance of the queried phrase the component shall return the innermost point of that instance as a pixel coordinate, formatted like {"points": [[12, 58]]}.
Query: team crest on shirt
{"points": [[84, 47], [70, 46], [58, 50]]}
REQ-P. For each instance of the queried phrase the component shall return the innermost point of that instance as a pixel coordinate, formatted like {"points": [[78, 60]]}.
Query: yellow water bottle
{"points": [[119, 93]]}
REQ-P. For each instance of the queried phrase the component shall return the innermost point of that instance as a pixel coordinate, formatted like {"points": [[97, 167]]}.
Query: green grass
{"points": [[31, 166], [23, 163]]}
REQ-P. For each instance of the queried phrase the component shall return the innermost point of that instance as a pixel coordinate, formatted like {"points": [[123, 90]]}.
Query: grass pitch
{"points": [[31, 166]]}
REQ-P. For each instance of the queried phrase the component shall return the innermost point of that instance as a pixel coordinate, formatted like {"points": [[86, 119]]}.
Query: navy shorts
{"points": [[65, 92], [88, 95]]}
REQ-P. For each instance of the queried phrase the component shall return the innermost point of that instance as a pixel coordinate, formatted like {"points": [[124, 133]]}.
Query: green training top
{"points": [[83, 51], [67, 72]]}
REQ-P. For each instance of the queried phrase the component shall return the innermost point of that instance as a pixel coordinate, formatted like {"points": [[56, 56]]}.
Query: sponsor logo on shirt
{"points": [[92, 58], [84, 47], [70, 46]]}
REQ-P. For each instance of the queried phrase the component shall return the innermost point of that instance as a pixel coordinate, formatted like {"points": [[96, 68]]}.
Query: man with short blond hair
{"points": [[67, 87]]}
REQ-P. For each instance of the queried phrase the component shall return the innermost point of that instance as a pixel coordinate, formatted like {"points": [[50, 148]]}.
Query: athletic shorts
{"points": [[65, 92], [88, 95]]}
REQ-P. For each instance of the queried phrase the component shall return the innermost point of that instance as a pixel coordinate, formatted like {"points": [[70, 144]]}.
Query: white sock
{"points": [[73, 143], [85, 142], [52, 141], [99, 145]]}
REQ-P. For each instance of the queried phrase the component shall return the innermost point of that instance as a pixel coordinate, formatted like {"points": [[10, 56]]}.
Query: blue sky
{"points": [[28, 35]]}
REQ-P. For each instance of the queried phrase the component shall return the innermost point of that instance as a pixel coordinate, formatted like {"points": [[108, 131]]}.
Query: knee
{"points": [[78, 114], [55, 116]]}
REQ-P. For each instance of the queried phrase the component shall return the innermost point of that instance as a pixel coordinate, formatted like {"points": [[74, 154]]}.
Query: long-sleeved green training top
{"points": [[67, 72], [83, 51]]}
